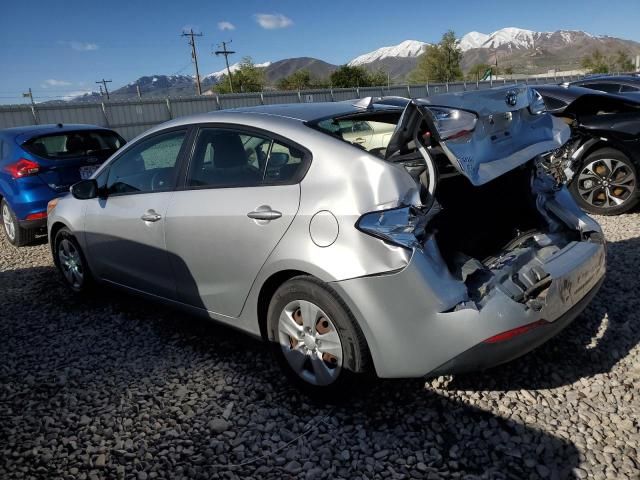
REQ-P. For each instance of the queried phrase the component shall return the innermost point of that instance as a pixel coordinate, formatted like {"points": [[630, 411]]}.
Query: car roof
{"points": [[308, 112], [628, 79], [29, 131]]}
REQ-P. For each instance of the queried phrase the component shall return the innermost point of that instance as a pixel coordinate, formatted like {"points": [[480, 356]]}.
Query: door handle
{"points": [[359, 140], [151, 216], [264, 213]]}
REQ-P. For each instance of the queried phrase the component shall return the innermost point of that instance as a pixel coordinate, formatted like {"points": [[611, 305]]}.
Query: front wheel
{"points": [[71, 262], [606, 183], [314, 336]]}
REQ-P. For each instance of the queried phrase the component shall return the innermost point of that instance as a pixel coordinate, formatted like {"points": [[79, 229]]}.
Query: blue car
{"points": [[40, 162]]}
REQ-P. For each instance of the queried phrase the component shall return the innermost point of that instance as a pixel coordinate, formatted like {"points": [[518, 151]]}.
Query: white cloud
{"points": [[79, 46], [52, 82], [226, 26], [75, 94], [271, 21], [83, 46]]}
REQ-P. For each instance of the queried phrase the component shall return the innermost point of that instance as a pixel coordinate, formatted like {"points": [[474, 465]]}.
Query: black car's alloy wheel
{"points": [[606, 183]]}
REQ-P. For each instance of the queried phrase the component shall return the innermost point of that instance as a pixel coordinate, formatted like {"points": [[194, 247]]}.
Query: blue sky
{"points": [[59, 47]]}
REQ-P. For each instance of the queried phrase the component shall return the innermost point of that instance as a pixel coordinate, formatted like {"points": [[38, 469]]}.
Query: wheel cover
{"points": [[71, 263], [606, 183], [7, 219], [310, 342]]}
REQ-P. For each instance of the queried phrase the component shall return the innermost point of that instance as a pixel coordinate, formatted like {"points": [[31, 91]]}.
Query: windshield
{"points": [[100, 143]]}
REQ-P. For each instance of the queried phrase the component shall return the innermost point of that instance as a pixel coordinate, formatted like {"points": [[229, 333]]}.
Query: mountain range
{"points": [[526, 51]]}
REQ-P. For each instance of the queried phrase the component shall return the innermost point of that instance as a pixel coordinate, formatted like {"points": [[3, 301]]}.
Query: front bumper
{"points": [[420, 322]]}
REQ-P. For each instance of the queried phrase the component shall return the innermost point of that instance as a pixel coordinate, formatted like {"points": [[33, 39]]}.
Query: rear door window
{"points": [[97, 143], [629, 88], [225, 157]]}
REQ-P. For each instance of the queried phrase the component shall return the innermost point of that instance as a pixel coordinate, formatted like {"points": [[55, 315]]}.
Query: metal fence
{"points": [[132, 117]]}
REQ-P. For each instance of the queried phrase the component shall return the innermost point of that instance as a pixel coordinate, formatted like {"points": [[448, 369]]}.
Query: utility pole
{"points": [[226, 54], [104, 82], [138, 91], [29, 95], [194, 55]]}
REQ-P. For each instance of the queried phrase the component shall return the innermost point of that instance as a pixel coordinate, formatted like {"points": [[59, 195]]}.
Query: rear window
{"points": [[603, 87], [99, 143]]}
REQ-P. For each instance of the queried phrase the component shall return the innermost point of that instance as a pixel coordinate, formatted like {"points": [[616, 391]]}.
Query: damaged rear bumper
{"points": [[493, 352], [421, 321]]}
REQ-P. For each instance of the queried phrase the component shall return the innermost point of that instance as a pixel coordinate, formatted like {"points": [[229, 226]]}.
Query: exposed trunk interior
{"points": [[494, 236], [478, 222]]}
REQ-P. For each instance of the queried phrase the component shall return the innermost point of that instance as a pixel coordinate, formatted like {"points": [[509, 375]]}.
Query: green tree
{"points": [[623, 62], [596, 62], [348, 77], [379, 78], [439, 62], [247, 78], [298, 80], [477, 71]]}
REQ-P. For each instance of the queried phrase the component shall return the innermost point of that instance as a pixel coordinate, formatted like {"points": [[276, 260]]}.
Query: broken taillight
{"points": [[402, 226], [509, 334]]}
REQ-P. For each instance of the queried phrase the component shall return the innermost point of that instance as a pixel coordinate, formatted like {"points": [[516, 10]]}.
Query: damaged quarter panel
{"points": [[509, 251]]}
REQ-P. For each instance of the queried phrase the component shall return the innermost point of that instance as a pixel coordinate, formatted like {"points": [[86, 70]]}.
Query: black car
{"points": [[602, 159], [617, 84]]}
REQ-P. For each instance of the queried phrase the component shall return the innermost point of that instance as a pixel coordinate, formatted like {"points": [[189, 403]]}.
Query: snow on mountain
{"points": [[235, 67], [511, 37], [517, 38], [472, 40], [408, 48]]}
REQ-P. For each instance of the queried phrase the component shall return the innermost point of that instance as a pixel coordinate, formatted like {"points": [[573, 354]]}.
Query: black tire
{"points": [[355, 353], [601, 205], [64, 240], [15, 234]]}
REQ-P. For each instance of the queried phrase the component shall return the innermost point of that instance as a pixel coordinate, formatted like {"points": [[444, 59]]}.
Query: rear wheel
{"points": [[71, 262], [314, 336], [16, 235], [606, 183]]}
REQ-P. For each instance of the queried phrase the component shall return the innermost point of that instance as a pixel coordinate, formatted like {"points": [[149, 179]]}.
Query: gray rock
{"points": [[218, 425], [293, 467]]}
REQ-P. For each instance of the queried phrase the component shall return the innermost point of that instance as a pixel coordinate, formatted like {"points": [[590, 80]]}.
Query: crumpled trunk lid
{"points": [[506, 133]]}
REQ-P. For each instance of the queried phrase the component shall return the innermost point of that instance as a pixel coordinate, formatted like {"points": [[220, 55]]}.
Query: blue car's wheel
{"points": [[16, 235]]}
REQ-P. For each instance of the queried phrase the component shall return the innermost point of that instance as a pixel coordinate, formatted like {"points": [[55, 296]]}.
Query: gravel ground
{"points": [[117, 387]]}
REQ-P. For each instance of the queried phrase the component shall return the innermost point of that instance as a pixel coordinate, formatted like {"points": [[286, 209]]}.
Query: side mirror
{"points": [[85, 189]]}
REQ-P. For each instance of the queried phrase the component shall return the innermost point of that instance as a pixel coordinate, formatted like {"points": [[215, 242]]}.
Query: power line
{"points": [[194, 55], [104, 82], [226, 54]]}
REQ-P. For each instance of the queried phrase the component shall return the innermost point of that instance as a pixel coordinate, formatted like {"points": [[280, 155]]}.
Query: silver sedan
{"points": [[450, 248]]}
